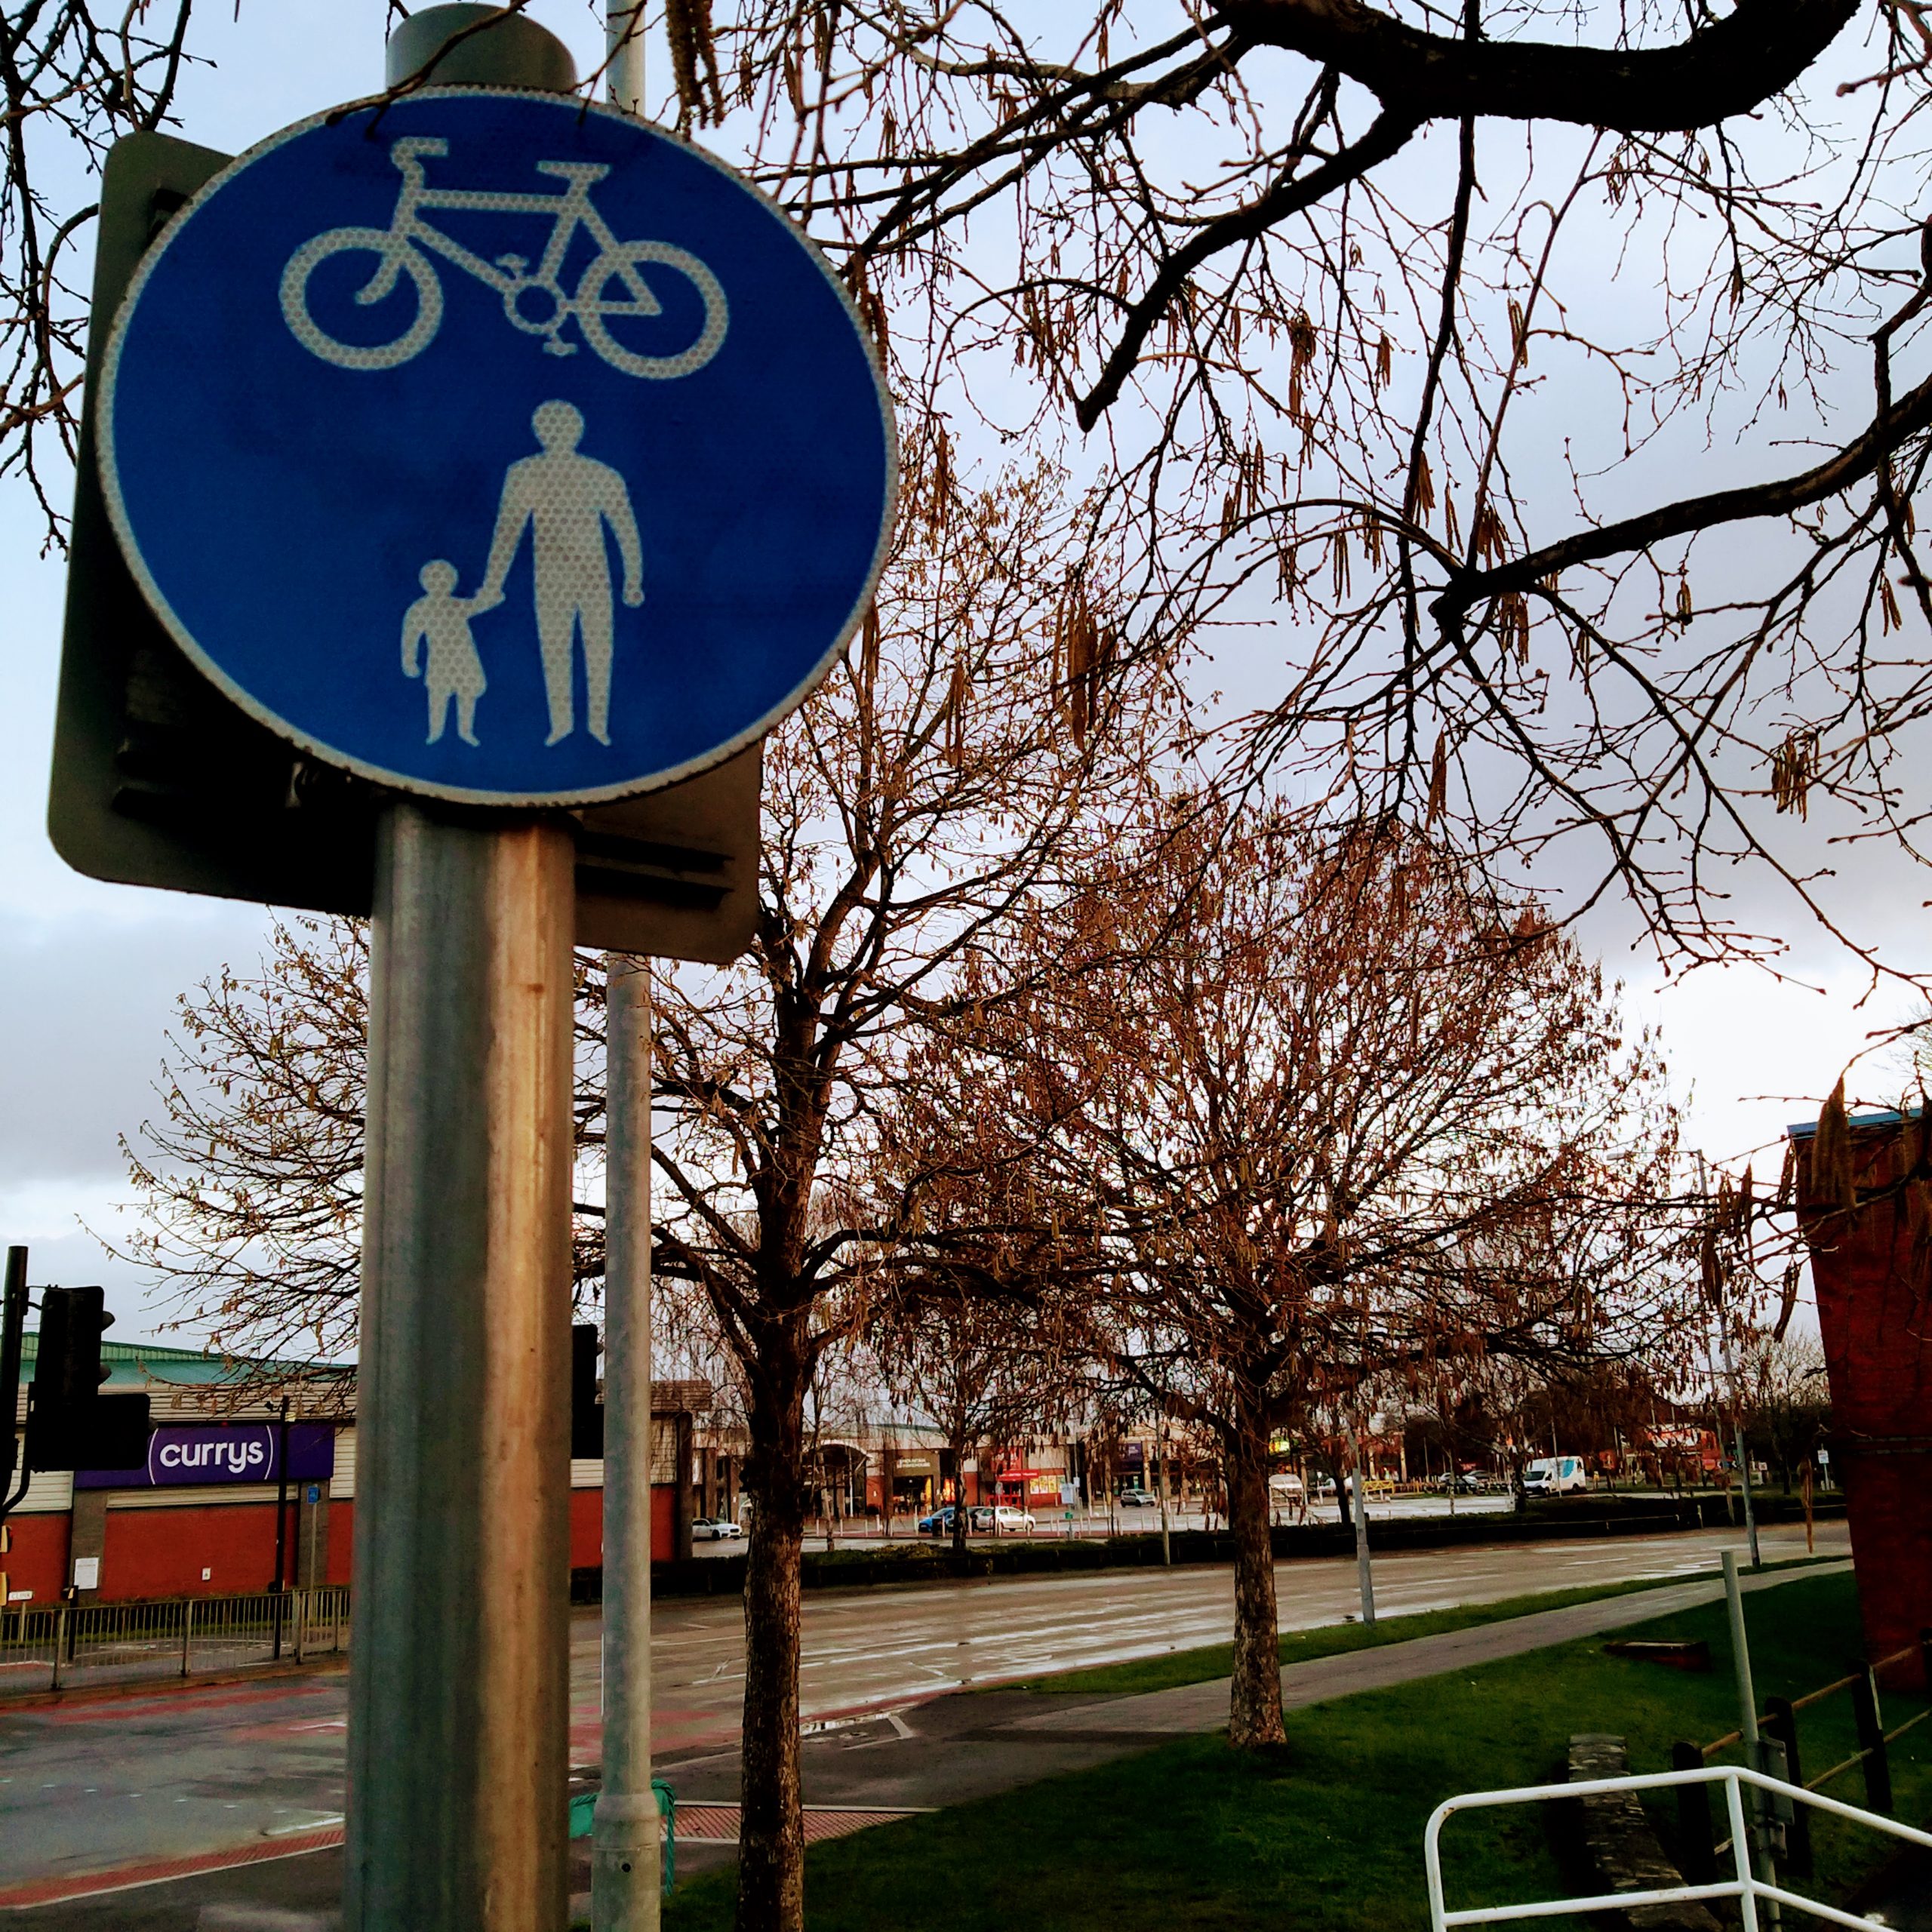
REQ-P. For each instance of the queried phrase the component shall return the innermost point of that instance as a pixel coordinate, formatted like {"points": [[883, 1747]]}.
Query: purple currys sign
{"points": [[180, 1454]]}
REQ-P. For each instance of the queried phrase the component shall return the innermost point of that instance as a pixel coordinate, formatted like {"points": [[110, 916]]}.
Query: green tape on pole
{"points": [[584, 1804]]}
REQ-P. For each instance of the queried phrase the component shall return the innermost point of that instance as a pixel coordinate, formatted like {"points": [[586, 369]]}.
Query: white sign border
{"points": [[103, 407]]}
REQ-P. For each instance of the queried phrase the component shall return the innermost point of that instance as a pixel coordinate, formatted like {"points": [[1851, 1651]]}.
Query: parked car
{"points": [[981, 1520], [1008, 1522], [1138, 1498], [939, 1524], [1555, 1475], [716, 1529]]}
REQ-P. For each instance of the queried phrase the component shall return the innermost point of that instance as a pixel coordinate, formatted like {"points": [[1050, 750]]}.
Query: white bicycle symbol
{"points": [[611, 288]]}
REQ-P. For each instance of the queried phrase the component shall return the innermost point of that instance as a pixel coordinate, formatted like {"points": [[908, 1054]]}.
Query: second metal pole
{"points": [[1364, 1563], [626, 1840]]}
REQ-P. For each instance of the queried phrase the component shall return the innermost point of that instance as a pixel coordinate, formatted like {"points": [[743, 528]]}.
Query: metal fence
{"points": [[1746, 1886], [46, 1648]]}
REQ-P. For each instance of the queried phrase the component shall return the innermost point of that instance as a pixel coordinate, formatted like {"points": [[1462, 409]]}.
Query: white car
{"points": [[1011, 1522], [715, 1529]]}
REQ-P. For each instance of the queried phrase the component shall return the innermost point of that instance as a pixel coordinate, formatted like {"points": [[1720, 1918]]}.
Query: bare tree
{"points": [[944, 781], [1321, 289], [248, 1178], [1785, 1402], [250, 1175], [1350, 1121]]}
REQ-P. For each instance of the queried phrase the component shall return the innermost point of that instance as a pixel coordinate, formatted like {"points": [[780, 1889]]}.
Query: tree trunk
{"points": [[771, 1839], [1254, 1712], [1334, 1466], [959, 1496]]}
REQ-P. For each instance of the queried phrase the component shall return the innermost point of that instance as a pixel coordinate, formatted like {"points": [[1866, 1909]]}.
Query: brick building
{"points": [[1872, 1273], [201, 1518]]}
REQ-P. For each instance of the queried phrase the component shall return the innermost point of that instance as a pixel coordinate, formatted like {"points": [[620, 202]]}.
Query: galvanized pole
{"points": [[459, 1705], [626, 1838], [626, 1849], [1365, 1566], [458, 1772], [1747, 1722], [1729, 1358]]}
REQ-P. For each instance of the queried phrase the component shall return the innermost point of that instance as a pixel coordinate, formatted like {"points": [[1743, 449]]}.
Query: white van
{"points": [[1555, 1475]]}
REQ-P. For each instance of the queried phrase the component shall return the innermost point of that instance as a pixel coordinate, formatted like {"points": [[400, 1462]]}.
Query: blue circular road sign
{"points": [[499, 447]]}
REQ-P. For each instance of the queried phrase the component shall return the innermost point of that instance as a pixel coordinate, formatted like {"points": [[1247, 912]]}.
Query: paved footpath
{"points": [[277, 1749]]}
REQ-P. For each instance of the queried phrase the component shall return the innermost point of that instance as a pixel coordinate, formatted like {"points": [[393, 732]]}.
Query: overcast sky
{"points": [[89, 972]]}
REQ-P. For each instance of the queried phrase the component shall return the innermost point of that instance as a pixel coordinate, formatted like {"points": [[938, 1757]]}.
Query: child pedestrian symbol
{"points": [[441, 620]]}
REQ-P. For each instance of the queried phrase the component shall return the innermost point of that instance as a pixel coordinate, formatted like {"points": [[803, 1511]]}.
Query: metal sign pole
{"points": [[458, 1695], [458, 1727], [626, 1847]]}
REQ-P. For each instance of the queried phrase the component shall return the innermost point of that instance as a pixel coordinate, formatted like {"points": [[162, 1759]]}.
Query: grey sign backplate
{"points": [[158, 779]]}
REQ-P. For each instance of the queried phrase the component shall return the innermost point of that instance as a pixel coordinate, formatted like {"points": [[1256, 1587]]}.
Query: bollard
{"points": [[1696, 1844], [1871, 1739], [187, 1632], [1783, 1730]]}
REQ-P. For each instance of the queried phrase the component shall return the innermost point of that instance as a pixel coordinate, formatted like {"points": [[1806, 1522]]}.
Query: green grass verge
{"points": [[1324, 1835], [1213, 1660]]}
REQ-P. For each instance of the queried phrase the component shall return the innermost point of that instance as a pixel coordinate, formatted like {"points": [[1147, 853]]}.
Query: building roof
{"points": [[1804, 1130], [179, 1364]]}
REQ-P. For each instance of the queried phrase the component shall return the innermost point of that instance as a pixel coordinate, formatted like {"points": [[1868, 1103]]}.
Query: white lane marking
{"points": [[315, 1824]]}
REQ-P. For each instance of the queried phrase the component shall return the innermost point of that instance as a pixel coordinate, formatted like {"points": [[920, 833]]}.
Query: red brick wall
{"points": [[39, 1559], [162, 1552], [587, 1525], [1874, 1295], [342, 1540]]}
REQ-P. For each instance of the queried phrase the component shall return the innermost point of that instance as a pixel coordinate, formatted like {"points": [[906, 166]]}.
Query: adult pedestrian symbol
{"points": [[498, 446]]}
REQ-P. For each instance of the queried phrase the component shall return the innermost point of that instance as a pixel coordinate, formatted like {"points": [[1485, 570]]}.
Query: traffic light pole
{"points": [[13, 1328]]}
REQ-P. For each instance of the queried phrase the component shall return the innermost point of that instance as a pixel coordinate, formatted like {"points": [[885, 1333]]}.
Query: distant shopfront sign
{"points": [[180, 1455]]}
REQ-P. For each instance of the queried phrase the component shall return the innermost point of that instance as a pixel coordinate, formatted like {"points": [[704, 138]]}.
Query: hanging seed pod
{"points": [[1492, 541], [693, 61], [1302, 344], [1438, 781], [955, 714], [1519, 334], [1422, 495], [1385, 363], [1833, 1184], [1513, 626], [1794, 771]]}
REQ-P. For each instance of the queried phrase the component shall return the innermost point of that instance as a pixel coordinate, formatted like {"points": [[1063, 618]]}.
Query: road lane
{"points": [[88, 1786]]}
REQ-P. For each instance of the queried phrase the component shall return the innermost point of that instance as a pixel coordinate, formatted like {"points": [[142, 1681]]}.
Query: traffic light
{"points": [[71, 1425], [586, 1411]]}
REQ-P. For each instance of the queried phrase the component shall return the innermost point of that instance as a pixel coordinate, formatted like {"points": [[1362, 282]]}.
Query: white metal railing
{"points": [[1746, 1886]]}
